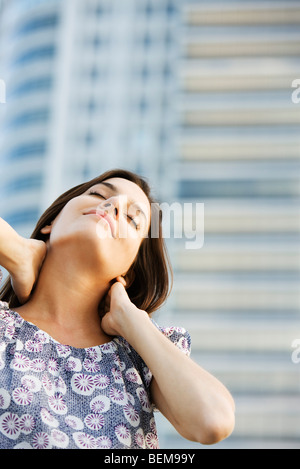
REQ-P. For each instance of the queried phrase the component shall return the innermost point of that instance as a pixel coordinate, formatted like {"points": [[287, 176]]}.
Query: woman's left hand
{"points": [[119, 309]]}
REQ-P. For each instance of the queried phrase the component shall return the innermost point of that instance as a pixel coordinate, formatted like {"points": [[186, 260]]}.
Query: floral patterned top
{"points": [[58, 396]]}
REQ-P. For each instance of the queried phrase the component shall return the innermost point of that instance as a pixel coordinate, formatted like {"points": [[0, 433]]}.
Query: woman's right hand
{"points": [[32, 255]]}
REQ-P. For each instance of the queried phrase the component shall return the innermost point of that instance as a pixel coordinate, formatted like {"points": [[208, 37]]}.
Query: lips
{"points": [[102, 214]]}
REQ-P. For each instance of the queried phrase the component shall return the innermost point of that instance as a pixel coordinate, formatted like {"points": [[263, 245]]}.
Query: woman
{"points": [[77, 343]]}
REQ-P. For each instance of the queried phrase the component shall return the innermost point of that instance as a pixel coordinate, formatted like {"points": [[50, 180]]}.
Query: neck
{"points": [[65, 301]]}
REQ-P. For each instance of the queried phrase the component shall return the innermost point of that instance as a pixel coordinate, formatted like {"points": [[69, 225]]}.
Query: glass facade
{"points": [[28, 55], [238, 153]]}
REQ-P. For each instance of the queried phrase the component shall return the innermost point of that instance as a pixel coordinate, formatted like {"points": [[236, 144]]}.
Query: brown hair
{"points": [[148, 284]]}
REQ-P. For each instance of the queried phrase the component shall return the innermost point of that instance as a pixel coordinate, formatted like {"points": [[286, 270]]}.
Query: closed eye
{"points": [[97, 194], [137, 226]]}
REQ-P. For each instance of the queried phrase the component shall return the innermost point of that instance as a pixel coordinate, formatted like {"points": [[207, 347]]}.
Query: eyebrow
{"points": [[115, 190]]}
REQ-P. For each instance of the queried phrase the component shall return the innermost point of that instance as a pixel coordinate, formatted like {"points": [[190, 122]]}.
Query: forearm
{"points": [[10, 247], [193, 399], [196, 403]]}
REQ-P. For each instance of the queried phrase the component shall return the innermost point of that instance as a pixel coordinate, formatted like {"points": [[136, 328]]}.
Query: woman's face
{"points": [[104, 227]]}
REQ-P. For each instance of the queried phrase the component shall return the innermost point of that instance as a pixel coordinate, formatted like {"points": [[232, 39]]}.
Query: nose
{"points": [[111, 207]]}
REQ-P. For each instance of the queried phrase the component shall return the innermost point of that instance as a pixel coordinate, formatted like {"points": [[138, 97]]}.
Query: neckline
{"points": [[101, 346]]}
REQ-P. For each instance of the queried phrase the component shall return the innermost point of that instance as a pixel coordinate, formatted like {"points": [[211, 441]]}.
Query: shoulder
{"points": [[9, 321], [4, 310], [178, 335]]}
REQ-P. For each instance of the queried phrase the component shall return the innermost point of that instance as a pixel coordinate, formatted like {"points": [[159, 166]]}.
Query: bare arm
{"points": [[10, 247], [22, 258], [196, 403]]}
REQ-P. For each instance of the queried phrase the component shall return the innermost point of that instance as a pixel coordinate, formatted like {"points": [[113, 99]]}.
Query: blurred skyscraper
{"points": [[90, 87], [196, 95], [239, 152]]}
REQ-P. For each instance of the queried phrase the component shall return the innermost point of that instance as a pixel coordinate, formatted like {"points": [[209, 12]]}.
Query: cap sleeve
{"points": [[178, 335]]}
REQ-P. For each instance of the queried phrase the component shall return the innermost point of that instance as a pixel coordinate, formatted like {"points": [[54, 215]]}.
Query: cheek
{"points": [[66, 226]]}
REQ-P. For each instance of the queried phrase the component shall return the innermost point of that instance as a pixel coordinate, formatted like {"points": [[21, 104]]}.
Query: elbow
{"points": [[211, 424], [210, 430], [216, 428]]}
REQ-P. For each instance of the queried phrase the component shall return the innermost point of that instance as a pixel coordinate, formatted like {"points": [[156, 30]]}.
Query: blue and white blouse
{"points": [[58, 396]]}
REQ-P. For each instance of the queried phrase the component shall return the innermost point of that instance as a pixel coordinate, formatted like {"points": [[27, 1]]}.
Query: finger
{"points": [[121, 280], [22, 297]]}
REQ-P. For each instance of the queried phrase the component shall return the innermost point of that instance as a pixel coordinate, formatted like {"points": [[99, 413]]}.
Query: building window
{"points": [[145, 73], [31, 86], [30, 117], [143, 105], [27, 151], [36, 24], [147, 41], [254, 189], [95, 73], [40, 53], [89, 139], [171, 8], [33, 181]]}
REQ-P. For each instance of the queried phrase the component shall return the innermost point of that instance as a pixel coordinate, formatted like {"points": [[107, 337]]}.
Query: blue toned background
{"points": [[196, 96]]}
